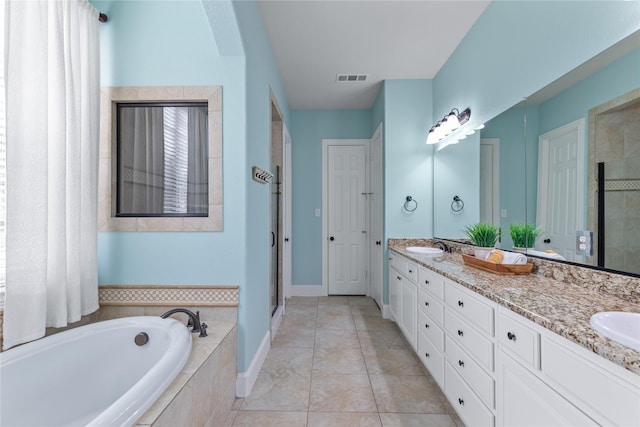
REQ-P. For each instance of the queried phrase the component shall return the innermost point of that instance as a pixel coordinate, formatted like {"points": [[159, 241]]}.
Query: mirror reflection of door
{"points": [[490, 180], [560, 210]]}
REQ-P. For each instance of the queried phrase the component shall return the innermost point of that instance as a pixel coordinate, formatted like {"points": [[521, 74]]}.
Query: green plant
{"points": [[483, 234], [524, 235]]}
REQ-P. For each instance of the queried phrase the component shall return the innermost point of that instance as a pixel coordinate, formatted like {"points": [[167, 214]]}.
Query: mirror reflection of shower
{"points": [[614, 142]]}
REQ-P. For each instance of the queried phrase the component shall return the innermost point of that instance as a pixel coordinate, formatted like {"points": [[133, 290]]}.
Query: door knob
{"points": [[547, 240], [332, 238], [286, 239]]}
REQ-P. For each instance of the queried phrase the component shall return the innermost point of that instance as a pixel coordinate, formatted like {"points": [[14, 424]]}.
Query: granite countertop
{"points": [[564, 308]]}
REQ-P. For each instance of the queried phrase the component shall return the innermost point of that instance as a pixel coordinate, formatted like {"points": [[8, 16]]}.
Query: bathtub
{"points": [[94, 375]]}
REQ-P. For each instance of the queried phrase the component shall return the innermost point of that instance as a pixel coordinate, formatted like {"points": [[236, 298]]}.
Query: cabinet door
{"points": [[395, 281], [409, 311], [524, 400]]}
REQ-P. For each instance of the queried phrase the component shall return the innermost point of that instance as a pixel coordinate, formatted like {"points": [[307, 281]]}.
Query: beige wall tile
{"points": [[159, 224], [215, 126]]}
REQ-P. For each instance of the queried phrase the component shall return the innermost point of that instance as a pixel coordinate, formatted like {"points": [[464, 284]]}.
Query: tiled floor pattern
{"points": [[335, 362]]}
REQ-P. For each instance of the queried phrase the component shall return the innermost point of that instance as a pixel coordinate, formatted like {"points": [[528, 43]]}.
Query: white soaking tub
{"points": [[94, 375]]}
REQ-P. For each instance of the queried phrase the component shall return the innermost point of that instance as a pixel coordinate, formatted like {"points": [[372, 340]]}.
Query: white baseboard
{"points": [[246, 380], [307, 291], [386, 313], [275, 321]]}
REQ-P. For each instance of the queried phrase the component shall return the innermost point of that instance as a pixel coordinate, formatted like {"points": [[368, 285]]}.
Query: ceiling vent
{"points": [[351, 78]]}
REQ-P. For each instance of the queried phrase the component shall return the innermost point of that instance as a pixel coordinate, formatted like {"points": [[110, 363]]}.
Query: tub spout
{"points": [[194, 320]]}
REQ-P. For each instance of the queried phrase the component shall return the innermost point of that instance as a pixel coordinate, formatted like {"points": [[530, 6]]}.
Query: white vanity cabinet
{"points": [[560, 382], [499, 368], [403, 296]]}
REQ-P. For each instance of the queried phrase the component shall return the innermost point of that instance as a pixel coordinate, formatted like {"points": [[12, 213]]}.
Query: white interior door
{"points": [[286, 194], [560, 208], [490, 180], [376, 251], [346, 219]]}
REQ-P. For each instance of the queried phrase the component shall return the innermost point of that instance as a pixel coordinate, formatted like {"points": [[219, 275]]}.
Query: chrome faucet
{"points": [[442, 245], [194, 320]]}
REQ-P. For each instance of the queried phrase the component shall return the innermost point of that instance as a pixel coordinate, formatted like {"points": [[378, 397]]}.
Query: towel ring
{"points": [[459, 204], [407, 204]]}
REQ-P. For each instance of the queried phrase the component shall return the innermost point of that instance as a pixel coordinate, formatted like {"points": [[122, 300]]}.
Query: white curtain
{"points": [[198, 200], [52, 111], [142, 160]]}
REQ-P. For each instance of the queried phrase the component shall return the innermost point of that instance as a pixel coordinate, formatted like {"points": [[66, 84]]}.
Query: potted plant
{"points": [[524, 236], [483, 235]]}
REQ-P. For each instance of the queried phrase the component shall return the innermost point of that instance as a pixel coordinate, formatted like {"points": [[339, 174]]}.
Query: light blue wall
{"points": [[408, 170], [261, 76], [616, 79], [517, 47], [456, 173], [509, 128], [408, 161], [138, 50], [308, 129]]}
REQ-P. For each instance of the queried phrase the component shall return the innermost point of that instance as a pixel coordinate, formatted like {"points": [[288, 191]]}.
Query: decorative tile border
{"points": [[622, 185], [158, 295]]}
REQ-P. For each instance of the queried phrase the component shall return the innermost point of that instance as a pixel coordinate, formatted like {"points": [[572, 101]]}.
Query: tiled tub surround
{"points": [[559, 297], [204, 391]]}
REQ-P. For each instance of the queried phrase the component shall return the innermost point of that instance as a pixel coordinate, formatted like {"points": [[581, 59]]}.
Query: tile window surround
{"points": [[109, 97]]}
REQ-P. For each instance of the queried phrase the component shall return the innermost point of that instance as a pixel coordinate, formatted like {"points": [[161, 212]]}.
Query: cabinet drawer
{"points": [[465, 402], [481, 382], [599, 389], [477, 312], [431, 282], [431, 358], [405, 267], [478, 346], [431, 330], [430, 305], [518, 339]]}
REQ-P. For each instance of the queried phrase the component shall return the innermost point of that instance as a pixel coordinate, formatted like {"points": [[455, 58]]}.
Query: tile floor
{"points": [[335, 362]]}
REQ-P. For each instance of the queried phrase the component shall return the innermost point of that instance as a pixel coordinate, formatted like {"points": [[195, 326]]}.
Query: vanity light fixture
{"points": [[447, 125]]}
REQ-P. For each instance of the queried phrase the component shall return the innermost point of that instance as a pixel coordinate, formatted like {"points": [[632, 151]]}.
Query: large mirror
{"points": [[589, 116]]}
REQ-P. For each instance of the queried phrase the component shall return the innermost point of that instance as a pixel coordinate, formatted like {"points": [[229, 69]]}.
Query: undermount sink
{"points": [[423, 250], [621, 327]]}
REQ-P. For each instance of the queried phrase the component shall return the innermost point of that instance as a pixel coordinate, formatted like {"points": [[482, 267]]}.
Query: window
{"points": [[162, 162], [165, 172]]}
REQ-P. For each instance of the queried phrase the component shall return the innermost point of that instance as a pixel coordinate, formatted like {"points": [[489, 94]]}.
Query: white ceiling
{"points": [[312, 41]]}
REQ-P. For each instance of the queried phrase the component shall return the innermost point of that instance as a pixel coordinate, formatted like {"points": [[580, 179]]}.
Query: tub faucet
{"points": [[194, 320], [443, 246]]}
